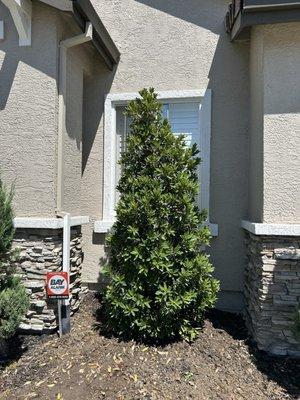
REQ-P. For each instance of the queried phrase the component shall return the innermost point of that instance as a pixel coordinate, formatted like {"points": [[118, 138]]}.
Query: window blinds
{"points": [[184, 119]]}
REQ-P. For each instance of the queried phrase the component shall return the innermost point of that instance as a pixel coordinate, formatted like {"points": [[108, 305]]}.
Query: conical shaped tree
{"points": [[161, 280]]}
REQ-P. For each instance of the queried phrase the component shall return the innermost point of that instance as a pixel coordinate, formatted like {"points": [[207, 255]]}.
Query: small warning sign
{"points": [[58, 285]]}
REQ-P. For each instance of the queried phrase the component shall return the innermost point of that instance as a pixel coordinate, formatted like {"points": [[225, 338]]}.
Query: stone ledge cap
{"points": [[47, 223], [264, 229]]}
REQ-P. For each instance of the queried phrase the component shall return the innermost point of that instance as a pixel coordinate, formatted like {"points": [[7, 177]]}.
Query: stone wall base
{"points": [[41, 252], [272, 292]]}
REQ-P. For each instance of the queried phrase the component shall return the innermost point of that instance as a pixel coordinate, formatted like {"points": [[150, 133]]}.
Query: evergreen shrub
{"points": [[161, 279], [14, 301]]}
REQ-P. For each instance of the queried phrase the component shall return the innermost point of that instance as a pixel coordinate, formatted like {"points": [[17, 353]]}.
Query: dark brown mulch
{"points": [[87, 365]]}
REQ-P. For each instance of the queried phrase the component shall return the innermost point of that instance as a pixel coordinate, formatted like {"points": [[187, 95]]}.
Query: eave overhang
{"points": [[243, 14], [83, 13]]}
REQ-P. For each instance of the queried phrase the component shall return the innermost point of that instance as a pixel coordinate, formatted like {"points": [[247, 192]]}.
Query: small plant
{"points": [[13, 305], [14, 301], [161, 279], [6, 231]]}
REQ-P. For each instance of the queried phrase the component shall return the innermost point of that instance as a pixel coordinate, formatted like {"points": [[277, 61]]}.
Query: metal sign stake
{"points": [[59, 318], [66, 318]]}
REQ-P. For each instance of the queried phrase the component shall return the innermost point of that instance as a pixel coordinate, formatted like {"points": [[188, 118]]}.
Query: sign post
{"points": [[60, 330], [65, 307], [58, 288]]}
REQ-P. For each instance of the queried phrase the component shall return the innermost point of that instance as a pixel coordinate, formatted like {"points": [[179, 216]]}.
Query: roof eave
{"points": [[83, 12], [240, 18]]}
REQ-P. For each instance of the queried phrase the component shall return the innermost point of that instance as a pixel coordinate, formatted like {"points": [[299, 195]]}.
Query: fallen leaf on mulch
{"points": [[89, 365]]}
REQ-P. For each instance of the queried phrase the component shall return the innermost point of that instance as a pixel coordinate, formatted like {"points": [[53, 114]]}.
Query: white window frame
{"points": [[112, 100]]}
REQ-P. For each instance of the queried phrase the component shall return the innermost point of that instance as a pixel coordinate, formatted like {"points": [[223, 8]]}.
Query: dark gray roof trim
{"points": [[84, 11], [243, 14]]}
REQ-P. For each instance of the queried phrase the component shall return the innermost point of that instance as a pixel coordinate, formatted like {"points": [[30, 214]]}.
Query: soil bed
{"points": [[221, 364]]}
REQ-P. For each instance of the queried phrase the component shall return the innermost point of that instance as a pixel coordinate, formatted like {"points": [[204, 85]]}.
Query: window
{"points": [[189, 113], [183, 117]]}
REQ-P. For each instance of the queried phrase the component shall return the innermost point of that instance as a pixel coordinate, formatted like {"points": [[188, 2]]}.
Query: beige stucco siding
{"points": [[282, 123], [28, 104], [73, 134], [175, 45], [256, 152], [29, 112], [275, 129]]}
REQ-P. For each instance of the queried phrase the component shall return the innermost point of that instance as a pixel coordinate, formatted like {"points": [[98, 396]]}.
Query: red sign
{"points": [[58, 285]]}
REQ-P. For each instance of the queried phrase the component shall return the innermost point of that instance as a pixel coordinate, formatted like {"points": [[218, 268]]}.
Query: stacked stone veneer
{"points": [[41, 252], [272, 292]]}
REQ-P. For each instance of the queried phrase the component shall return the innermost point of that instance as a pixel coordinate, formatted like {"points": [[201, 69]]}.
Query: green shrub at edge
{"points": [[14, 301], [13, 305]]}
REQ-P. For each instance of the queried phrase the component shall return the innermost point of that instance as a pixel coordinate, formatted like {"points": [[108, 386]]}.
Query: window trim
{"points": [[112, 100]]}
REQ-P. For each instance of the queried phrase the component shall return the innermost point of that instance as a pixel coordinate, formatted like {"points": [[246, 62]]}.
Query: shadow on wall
{"points": [[14, 55], [7, 75], [199, 12], [43, 56], [24, 69], [95, 86]]}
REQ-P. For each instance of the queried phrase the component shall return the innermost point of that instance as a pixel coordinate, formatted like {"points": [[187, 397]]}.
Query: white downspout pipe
{"points": [[62, 130], [62, 113]]}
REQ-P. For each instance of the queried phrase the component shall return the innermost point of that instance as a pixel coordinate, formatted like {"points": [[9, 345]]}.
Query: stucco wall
{"points": [[168, 44], [29, 112], [282, 123], [28, 101], [256, 152], [275, 132], [73, 136], [182, 45]]}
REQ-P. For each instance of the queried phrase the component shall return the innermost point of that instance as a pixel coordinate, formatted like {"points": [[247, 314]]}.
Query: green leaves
{"points": [[161, 281], [6, 223], [14, 301]]}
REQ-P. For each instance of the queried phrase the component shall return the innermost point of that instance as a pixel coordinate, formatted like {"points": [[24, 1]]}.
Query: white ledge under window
{"points": [[105, 227], [264, 229], [47, 223]]}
